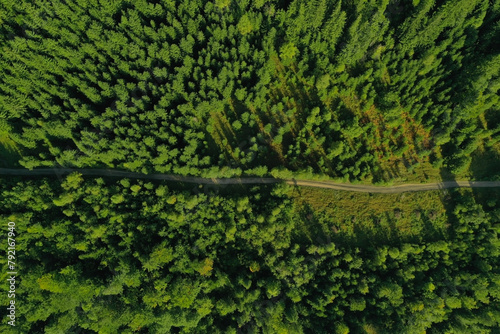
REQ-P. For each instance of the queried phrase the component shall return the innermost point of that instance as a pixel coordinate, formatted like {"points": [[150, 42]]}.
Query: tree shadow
{"points": [[448, 199], [312, 228], [485, 166], [384, 229], [9, 153]]}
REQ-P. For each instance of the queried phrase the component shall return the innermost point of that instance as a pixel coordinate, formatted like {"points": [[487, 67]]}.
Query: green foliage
{"points": [[342, 89], [211, 262], [350, 90], [245, 25], [288, 52]]}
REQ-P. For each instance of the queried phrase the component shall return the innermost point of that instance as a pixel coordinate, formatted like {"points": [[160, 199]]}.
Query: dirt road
{"points": [[254, 180]]}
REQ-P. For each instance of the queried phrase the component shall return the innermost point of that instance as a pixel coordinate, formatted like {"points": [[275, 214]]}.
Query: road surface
{"points": [[255, 180]]}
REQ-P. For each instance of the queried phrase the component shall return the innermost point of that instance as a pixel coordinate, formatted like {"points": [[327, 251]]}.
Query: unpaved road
{"points": [[399, 188], [254, 180]]}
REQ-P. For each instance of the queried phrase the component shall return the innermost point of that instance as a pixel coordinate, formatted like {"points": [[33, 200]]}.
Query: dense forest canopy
{"points": [[340, 88], [124, 256], [343, 89]]}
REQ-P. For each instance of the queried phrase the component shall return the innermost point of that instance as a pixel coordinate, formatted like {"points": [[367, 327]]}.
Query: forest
{"points": [[344, 89], [360, 91], [128, 256]]}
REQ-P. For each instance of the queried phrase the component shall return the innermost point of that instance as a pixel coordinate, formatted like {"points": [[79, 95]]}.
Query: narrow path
{"points": [[255, 180]]}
